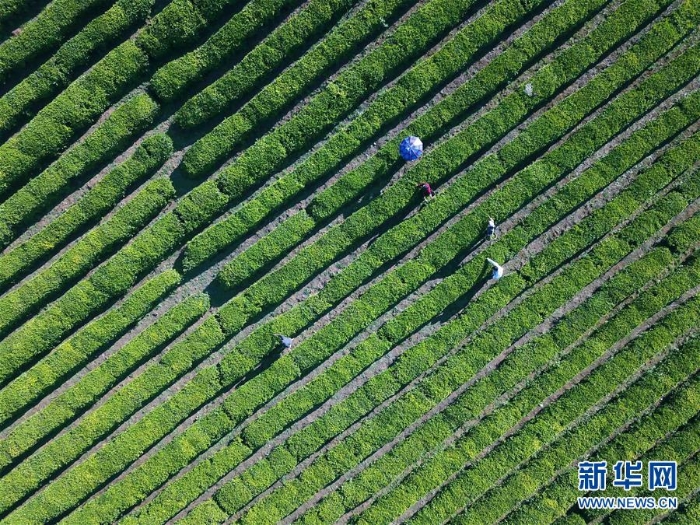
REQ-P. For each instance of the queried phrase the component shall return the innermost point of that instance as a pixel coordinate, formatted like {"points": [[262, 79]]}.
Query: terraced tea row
{"points": [[62, 68], [18, 261], [674, 369]]}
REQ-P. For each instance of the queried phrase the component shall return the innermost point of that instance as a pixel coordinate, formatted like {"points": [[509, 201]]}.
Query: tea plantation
{"points": [[185, 183]]}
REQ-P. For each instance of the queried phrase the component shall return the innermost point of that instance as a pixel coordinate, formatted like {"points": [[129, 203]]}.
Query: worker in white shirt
{"points": [[491, 229], [497, 272], [286, 341]]}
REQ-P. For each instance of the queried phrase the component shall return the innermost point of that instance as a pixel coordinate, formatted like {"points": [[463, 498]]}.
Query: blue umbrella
{"points": [[411, 148]]}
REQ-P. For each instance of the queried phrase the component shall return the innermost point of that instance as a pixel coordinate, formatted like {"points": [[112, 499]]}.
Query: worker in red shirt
{"points": [[427, 191]]}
